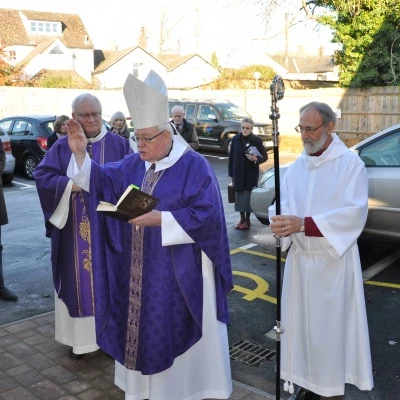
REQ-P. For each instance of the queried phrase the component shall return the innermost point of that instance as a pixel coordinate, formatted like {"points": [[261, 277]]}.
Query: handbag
{"points": [[231, 193]]}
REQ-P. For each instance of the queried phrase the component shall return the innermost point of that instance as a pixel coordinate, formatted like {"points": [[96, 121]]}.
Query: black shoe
{"points": [[304, 394], [75, 356], [8, 295]]}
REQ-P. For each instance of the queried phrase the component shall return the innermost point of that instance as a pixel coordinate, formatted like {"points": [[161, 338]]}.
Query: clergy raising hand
{"points": [[76, 140]]}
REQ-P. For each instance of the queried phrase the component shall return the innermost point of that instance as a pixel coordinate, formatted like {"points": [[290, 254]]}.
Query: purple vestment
{"points": [[71, 252], [149, 297]]}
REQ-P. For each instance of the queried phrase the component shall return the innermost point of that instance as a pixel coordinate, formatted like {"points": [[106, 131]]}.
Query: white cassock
{"points": [[326, 340]]}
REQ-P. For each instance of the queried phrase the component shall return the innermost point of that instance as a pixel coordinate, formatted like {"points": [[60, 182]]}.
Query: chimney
{"points": [[142, 41], [321, 51]]}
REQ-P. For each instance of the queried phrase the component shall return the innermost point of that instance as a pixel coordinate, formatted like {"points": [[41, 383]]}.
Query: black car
{"points": [[28, 136], [218, 121]]}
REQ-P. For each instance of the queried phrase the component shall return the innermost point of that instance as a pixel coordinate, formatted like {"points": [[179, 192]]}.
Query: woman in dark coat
{"points": [[247, 153]]}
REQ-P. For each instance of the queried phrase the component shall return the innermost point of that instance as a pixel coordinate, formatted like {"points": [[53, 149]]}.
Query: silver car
{"points": [[8, 173], [381, 155]]}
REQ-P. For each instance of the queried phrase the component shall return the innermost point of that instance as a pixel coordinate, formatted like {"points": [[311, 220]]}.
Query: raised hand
{"points": [[77, 140]]}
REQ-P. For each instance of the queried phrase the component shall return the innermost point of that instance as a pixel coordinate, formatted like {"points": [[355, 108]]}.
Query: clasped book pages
{"points": [[254, 151], [133, 203]]}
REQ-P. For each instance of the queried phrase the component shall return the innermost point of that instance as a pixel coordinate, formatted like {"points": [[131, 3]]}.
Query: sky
{"points": [[233, 29]]}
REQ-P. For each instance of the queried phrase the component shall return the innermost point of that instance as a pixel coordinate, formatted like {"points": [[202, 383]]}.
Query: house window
{"points": [[135, 69], [12, 55], [46, 28]]}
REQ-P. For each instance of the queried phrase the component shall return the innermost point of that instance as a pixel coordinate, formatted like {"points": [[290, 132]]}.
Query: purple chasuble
{"points": [[149, 297], [71, 251]]}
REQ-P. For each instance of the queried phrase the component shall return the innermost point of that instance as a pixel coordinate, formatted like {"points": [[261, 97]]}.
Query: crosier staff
{"points": [[277, 90]]}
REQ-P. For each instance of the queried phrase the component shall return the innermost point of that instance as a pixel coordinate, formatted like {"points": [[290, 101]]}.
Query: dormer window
{"points": [[45, 27]]}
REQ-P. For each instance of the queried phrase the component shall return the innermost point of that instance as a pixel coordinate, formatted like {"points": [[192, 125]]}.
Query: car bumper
{"points": [[10, 164], [260, 200]]}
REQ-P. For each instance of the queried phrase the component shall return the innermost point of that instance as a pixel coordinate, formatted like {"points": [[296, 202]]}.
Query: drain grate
{"points": [[250, 353]]}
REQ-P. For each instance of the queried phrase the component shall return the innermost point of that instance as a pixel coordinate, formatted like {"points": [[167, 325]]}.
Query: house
{"points": [[112, 67], [36, 40], [39, 41], [305, 67], [189, 71], [178, 72]]}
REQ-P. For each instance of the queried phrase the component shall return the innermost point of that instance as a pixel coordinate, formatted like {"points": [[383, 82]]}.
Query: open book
{"points": [[131, 204]]}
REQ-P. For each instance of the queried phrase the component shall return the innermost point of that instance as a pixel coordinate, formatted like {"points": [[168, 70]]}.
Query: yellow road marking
{"points": [[254, 253], [258, 292], [263, 286], [385, 284]]}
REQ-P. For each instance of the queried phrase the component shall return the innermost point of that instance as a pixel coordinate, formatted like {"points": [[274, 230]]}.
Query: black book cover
{"points": [[131, 204]]}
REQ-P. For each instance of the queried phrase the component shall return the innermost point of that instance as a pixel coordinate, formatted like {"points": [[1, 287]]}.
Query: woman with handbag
{"points": [[247, 153]]}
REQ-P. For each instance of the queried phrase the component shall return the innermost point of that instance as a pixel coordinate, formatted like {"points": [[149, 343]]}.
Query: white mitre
{"points": [[147, 101]]}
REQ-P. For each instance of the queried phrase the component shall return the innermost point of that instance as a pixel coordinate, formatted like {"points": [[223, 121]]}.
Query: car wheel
{"points": [[7, 179], [30, 163]]}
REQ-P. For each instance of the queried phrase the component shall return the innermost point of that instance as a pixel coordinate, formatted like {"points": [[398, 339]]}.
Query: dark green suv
{"points": [[217, 121]]}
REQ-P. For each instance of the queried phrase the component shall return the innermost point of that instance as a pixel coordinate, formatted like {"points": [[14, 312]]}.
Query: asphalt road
{"points": [[252, 303]]}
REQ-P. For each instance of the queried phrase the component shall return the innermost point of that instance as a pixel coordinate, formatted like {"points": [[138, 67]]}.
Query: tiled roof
{"points": [[13, 32], [305, 64], [105, 59], [174, 60]]}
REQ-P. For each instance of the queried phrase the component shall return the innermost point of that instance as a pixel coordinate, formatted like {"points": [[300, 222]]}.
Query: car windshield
{"points": [[232, 111]]}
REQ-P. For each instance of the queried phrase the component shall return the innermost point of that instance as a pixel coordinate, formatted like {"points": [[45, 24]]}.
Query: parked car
{"points": [[8, 173], [28, 135], [218, 121], [381, 155]]}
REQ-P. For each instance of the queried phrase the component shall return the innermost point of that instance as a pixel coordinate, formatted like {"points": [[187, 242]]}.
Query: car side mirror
{"points": [[213, 117]]}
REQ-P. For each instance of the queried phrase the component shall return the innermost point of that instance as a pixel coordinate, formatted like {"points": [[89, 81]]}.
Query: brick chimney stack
{"points": [[142, 41]]}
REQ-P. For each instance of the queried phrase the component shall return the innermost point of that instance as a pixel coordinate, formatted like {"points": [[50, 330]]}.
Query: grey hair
{"points": [[178, 108], [82, 97], [248, 120], [117, 115], [323, 109]]}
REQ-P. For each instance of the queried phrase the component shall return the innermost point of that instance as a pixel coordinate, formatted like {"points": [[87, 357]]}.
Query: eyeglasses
{"points": [[247, 128], [146, 140], [307, 129], [88, 115]]}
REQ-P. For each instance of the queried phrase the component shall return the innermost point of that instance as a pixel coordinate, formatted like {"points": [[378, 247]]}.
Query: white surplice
{"points": [[326, 340]]}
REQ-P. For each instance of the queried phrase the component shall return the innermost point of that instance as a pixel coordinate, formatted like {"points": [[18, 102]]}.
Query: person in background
{"points": [[59, 130], [324, 206], [162, 279], [247, 153], [119, 125], [186, 129], [66, 215], [5, 294]]}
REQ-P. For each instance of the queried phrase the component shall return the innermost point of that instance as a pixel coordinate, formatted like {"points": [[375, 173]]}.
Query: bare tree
{"points": [[167, 27]]}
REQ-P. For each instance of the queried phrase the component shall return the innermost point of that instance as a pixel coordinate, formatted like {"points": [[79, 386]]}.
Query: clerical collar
{"points": [[99, 136], [317, 154], [179, 147]]}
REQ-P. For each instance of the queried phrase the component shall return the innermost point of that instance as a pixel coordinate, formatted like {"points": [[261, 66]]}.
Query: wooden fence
{"points": [[361, 112]]}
